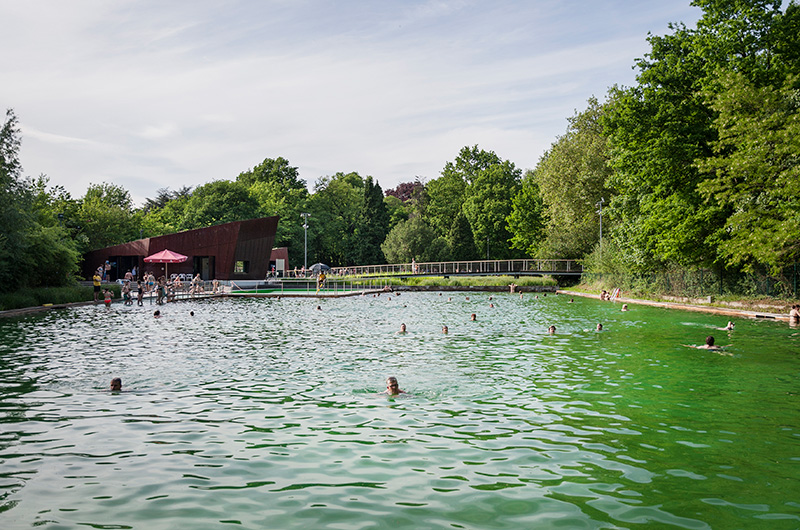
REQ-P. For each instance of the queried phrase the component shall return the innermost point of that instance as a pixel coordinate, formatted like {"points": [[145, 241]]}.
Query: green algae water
{"points": [[265, 413]]}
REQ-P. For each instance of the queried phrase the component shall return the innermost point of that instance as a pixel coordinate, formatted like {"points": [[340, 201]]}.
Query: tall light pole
{"points": [[305, 217], [599, 205]]}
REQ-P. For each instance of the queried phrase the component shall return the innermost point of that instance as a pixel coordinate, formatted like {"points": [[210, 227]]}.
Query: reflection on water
{"points": [[266, 413]]}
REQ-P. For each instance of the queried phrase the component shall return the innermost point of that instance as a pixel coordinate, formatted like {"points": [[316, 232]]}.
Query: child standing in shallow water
{"points": [[140, 293], [107, 297]]}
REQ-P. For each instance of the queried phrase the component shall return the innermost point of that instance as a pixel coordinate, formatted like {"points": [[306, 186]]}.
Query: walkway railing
{"points": [[510, 266]]}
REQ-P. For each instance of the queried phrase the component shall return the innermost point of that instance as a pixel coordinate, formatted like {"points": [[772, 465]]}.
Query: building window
{"points": [[241, 267]]}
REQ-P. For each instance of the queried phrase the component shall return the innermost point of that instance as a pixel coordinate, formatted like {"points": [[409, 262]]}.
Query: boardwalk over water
{"points": [[507, 267]]}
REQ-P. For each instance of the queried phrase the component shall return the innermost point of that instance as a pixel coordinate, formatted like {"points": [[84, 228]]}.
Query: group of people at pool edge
{"points": [[165, 289]]}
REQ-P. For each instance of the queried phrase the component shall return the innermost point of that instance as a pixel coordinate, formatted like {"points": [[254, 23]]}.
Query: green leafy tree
{"points": [[660, 127], [279, 190], [488, 205], [106, 217], [413, 239], [571, 178], [755, 172], [335, 206], [396, 209], [35, 249], [460, 243], [372, 225], [218, 202], [527, 219]]}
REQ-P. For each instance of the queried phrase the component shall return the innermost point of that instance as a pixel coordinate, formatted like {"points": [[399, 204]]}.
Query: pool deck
{"points": [[684, 306]]}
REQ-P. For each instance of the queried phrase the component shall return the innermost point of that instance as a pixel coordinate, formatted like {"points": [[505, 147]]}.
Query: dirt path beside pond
{"points": [[700, 308]]}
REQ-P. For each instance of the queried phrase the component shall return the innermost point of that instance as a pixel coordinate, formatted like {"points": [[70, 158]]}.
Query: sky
{"points": [[152, 94]]}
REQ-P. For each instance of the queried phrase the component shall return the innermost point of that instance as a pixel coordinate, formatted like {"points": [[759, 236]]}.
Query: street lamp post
{"points": [[600, 204], [305, 217]]}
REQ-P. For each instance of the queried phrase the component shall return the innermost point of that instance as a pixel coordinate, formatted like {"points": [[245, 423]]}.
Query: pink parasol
{"points": [[166, 256]]}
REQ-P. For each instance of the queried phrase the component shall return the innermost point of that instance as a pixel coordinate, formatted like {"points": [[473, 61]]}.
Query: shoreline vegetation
{"points": [[43, 299]]}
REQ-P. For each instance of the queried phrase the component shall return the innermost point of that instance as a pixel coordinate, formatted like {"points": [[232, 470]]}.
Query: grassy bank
{"points": [[51, 295]]}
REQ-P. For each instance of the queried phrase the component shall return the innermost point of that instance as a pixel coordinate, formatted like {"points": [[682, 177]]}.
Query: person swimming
{"points": [[393, 387], [709, 345], [551, 330], [402, 329], [116, 385], [444, 330]]}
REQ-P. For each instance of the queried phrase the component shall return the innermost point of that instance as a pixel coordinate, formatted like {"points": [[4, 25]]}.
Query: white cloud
{"points": [[153, 94]]}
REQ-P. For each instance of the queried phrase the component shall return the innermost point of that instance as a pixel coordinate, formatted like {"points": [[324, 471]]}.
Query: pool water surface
{"points": [[266, 413]]}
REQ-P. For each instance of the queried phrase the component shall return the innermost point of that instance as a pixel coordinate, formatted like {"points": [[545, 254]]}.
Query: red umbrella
{"points": [[166, 256]]}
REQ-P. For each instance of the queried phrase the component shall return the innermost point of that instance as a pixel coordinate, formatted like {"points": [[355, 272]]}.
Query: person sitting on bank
{"points": [[393, 387]]}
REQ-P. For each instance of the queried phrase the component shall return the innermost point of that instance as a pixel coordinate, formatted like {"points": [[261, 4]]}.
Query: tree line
{"points": [[695, 165]]}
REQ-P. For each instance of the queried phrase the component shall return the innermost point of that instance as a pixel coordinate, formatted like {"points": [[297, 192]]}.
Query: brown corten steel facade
{"points": [[213, 252]]}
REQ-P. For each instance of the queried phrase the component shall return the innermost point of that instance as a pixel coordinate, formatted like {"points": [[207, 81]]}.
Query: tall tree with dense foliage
{"points": [[527, 219], [106, 216], [661, 126], [218, 202], [278, 189], [755, 172], [571, 177], [335, 206], [372, 225], [35, 249]]}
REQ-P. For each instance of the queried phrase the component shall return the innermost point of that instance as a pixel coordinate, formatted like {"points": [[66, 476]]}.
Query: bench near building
{"points": [[241, 250]]}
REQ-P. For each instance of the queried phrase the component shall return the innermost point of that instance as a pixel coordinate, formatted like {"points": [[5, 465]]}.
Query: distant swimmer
{"points": [[444, 330], [624, 307], [729, 327], [491, 305], [402, 329], [551, 330], [709, 345], [393, 387], [156, 314], [473, 317], [116, 385], [599, 327]]}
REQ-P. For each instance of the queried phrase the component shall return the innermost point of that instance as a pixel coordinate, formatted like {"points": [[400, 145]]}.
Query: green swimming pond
{"points": [[266, 413]]}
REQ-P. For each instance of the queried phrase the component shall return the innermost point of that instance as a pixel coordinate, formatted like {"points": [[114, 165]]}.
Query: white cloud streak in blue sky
{"points": [[154, 94]]}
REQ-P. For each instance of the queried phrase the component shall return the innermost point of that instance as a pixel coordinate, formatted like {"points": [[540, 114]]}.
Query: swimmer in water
{"points": [[402, 329], [599, 327], [156, 314], [709, 345], [393, 387], [473, 317], [551, 330], [444, 330], [729, 327], [116, 385], [624, 307]]}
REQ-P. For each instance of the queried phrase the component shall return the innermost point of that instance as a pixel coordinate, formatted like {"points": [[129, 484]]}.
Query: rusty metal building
{"points": [[232, 251]]}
